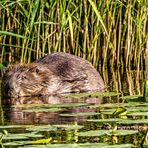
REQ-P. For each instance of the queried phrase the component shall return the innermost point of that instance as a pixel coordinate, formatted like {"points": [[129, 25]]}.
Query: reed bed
{"points": [[107, 33]]}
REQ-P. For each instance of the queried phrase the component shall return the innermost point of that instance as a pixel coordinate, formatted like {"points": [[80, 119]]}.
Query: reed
{"points": [[110, 33]]}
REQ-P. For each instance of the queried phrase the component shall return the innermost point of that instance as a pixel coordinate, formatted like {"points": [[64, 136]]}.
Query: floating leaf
{"points": [[121, 111], [138, 114], [38, 110], [130, 121], [91, 95], [42, 128], [62, 105], [42, 141], [16, 143], [22, 136], [94, 133], [138, 109], [110, 120], [135, 98], [107, 132], [123, 132], [83, 145], [13, 126], [119, 146], [120, 121], [80, 114], [69, 127]]}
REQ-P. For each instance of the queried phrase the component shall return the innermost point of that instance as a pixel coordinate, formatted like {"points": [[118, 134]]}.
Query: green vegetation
{"points": [[91, 125], [108, 32]]}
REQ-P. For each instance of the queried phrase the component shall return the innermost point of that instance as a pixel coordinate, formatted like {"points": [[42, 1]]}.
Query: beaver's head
{"points": [[28, 80]]}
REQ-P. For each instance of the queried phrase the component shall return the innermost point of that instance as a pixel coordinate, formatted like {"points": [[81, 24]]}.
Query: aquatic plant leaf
{"points": [[134, 98], [123, 132], [120, 121], [110, 105], [131, 96], [107, 111], [22, 136], [91, 95], [107, 132], [38, 110], [115, 105], [13, 126], [94, 133], [110, 120], [119, 112], [138, 109], [80, 114], [16, 143], [75, 145], [41, 128], [119, 146], [146, 91], [42, 141], [69, 127], [138, 114], [130, 121], [62, 105]]}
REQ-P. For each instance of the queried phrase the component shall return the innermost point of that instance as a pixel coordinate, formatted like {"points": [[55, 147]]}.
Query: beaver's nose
{"points": [[10, 91]]}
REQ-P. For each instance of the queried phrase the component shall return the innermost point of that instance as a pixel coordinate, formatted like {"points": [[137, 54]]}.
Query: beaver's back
{"points": [[72, 68]]}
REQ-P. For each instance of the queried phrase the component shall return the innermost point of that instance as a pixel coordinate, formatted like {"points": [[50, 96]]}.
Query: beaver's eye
{"points": [[37, 70], [23, 77]]}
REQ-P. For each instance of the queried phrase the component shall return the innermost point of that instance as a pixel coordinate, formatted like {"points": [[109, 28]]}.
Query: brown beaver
{"points": [[56, 73]]}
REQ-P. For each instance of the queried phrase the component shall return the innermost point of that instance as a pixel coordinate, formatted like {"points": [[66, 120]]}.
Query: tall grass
{"points": [[106, 32]]}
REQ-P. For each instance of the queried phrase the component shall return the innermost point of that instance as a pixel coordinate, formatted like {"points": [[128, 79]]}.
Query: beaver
{"points": [[56, 73]]}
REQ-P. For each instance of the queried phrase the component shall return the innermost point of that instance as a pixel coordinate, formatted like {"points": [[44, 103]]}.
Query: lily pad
{"points": [[135, 98], [110, 120], [130, 121], [13, 126], [91, 95], [41, 128], [80, 114], [22, 136], [83, 145], [21, 143], [38, 110], [69, 127], [120, 121], [107, 132], [53, 105], [138, 114], [94, 133]]}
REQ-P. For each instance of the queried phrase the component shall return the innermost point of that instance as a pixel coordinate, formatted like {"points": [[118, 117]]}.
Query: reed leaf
{"points": [[98, 15], [70, 26], [12, 34]]}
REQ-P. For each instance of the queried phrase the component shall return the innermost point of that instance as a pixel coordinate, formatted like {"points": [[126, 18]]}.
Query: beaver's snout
{"points": [[56, 73]]}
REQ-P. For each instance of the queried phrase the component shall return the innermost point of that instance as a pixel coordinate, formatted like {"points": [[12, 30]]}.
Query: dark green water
{"points": [[116, 118]]}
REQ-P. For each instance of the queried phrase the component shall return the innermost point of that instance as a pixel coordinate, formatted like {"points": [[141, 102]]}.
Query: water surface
{"points": [[115, 118]]}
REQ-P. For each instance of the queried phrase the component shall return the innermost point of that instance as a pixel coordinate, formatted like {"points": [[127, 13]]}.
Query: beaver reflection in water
{"points": [[56, 73]]}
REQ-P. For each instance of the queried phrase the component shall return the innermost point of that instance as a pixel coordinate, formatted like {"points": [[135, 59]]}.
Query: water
{"points": [[87, 120]]}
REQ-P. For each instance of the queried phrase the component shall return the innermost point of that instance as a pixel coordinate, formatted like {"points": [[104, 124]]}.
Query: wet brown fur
{"points": [[56, 73]]}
